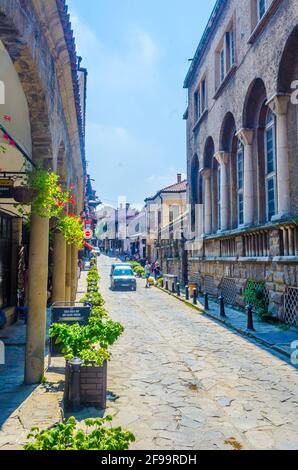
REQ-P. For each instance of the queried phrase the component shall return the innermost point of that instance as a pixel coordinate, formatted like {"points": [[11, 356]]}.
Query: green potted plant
{"points": [[99, 435], [89, 343], [41, 189]]}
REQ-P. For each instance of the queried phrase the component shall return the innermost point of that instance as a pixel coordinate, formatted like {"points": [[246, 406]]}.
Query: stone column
{"points": [[246, 138], [16, 241], [223, 159], [206, 173], [37, 299], [68, 274], [279, 105], [59, 268], [74, 272]]}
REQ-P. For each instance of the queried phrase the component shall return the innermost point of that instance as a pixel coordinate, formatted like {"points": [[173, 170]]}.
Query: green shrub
{"points": [[87, 342], [160, 281], [254, 294], [100, 435], [99, 312], [139, 271], [135, 264], [95, 299]]}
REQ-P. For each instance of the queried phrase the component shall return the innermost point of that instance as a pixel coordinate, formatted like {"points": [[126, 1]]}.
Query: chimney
{"points": [[179, 178]]}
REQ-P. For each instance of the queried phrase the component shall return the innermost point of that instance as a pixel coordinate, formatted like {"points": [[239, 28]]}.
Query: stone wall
{"points": [[40, 46]]}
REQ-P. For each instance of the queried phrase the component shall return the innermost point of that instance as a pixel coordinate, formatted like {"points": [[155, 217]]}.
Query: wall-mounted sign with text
{"points": [[6, 187]]}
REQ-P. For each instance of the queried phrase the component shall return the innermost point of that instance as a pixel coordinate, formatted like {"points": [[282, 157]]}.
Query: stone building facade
{"points": [[43, 115], [242, 153], [165, 214]]}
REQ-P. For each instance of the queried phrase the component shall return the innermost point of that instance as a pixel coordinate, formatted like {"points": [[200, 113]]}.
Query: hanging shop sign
{"points": [[6, 188]]}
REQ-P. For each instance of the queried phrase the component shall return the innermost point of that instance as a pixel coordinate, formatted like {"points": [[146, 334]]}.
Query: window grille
{"points": [[228, 289], [291, 306]]}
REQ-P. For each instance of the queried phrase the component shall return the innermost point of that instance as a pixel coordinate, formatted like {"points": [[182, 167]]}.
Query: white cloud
{"points": [[133, 66]]}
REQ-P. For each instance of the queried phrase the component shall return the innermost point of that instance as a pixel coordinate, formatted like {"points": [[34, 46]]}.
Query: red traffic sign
{"points": [[88, 234]]}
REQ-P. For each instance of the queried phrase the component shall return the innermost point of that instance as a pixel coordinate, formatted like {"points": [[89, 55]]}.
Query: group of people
{"points": [[151, 270]]}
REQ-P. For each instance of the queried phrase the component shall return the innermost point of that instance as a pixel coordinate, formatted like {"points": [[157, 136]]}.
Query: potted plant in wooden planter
{"points": [[90, 344]]}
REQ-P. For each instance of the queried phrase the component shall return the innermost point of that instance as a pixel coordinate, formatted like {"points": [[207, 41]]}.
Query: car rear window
{"points": [[123, 272]]}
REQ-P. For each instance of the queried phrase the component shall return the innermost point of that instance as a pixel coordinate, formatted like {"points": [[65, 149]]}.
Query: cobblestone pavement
{"points": [[181, 381], [22, 407]]}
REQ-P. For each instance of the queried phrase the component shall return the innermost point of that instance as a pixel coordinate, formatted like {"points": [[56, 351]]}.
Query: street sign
{"points": [[88, 234], [70, 316], [6, 187]]}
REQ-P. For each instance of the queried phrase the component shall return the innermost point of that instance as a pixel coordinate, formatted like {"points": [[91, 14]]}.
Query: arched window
{"points": [[218, 199], [240, 184], [270, 165]]}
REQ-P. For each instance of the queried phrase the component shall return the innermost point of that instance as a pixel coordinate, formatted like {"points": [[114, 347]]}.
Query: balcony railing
{"points": [[289, 240], [256, 244]]}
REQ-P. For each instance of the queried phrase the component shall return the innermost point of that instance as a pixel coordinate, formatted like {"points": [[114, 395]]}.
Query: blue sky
{"points": [[137, 56]]}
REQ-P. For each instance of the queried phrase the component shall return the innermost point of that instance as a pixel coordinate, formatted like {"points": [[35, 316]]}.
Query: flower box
{"points": [[93, 385]]}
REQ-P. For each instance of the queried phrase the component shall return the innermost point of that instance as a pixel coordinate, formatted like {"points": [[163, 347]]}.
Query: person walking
{"points": [[147, 274], [156, 270]]}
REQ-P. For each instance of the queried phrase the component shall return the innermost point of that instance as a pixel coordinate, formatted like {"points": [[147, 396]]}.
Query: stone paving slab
{"points": [[279, 338], [182, 381]]}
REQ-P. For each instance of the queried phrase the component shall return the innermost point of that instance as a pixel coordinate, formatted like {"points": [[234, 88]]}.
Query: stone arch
{"points": [[254, 100], [27, 70], [209, 151], [254, 117], [288, 73], [195, 180], [227, 133], [288, 68], [228, 142], [195, 189], [210, 163]]}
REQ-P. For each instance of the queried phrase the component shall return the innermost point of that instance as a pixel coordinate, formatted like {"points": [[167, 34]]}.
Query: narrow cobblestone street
{"points": [[180, 381]]}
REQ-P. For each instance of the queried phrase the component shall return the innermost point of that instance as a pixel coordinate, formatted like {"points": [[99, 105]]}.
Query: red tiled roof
{"points": [[175, 188]]}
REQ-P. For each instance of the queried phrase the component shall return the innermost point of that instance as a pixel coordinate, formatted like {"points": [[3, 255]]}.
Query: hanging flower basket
{"points": [[71, 227], [24, 194]]}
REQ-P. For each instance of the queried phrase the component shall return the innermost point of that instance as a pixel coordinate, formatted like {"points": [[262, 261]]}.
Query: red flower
{"points": [[72, 200], [60, 203], [70, 214], [7, 118], [11, 142], [5, 136]]}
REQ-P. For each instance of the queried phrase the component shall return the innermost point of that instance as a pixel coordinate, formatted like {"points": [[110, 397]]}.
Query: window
{"points": [[230, 49], [218, 199], [222, 65], [240, 184], [270, 165], [262, 7], [225, 54], [200, 99]]}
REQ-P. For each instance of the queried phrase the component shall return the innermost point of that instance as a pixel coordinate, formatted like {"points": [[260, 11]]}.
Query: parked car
{"points": [[123, 277], [115, 265]]}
